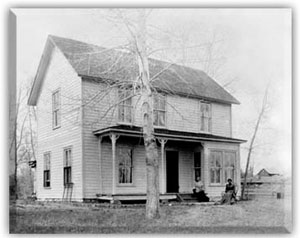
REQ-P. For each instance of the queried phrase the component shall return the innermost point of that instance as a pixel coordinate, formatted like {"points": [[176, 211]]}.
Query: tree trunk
{"points": [[152, 205], [262, 111]]}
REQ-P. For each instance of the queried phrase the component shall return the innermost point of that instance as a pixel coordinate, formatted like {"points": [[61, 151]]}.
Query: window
{"points": [[159, 110], [56, 109], [125, 106], [222, 166], [197, 164], [215, 167], [205, 111], [229, 165], [67, 166], [125, 166], [47, 170]]}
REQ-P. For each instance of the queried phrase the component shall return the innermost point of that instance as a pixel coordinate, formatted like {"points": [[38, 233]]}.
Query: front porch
{"points": [[182, 157]]}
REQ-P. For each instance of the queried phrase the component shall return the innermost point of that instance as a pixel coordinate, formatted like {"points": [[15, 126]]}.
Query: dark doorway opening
{"points": [[172, 172]]}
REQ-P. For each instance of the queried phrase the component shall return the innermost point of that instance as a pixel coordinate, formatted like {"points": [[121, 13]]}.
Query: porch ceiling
{"points": [[165, 133]]}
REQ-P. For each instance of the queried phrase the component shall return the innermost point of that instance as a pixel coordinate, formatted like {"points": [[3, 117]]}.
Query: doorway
{"points": [[172, 172]]}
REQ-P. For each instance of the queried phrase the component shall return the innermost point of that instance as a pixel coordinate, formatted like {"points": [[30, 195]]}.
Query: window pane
{"points": [[121, 113], [67, 175], [197, 159], [125, 106], [125, 165], [155, 102], [229, 159], [159, 110], [212, 162], [212, 176], [162, 103], [218, 176], [218, 161], [155, 118], [161, 118], [128, 114], [205, 111], [197, 173]]}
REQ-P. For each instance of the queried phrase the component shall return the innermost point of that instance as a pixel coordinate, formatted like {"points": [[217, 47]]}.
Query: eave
{"points": [[135, 131], [41, 71]]}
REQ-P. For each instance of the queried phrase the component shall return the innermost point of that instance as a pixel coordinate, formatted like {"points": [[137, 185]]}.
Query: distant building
{"points": [[265, 173]]}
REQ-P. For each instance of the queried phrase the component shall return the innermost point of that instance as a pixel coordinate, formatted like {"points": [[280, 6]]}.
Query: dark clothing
{"points": [[201, 196], [229, 187], [229, 197]]}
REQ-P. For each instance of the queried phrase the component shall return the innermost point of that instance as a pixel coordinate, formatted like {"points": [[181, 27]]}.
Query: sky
{"points": [[256, 44]]}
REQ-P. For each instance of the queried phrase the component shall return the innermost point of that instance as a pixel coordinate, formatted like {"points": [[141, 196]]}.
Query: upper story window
{"points": [[47, 158], [159, 110], [125, 106], [56, 109], [67, 166], [205, 114]]}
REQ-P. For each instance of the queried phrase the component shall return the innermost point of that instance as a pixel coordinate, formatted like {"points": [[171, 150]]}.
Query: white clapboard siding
{"points": [[183, 114], [221, 119], [97, 101], [60, 75]]}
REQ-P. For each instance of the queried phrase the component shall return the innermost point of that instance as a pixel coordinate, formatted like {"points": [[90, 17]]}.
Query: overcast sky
{"points": [[256, 45]]}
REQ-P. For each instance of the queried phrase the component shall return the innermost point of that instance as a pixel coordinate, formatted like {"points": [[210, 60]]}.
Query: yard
{"points": [[268, 215]]}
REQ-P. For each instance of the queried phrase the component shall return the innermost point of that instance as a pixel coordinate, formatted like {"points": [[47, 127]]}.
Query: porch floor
{"points": [[181, 197]]}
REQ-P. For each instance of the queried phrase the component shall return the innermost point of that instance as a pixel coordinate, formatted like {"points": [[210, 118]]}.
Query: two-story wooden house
{"points": [[89, 130]]}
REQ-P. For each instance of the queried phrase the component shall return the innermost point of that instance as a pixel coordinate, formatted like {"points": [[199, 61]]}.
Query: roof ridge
{"points": [[84, 56]]}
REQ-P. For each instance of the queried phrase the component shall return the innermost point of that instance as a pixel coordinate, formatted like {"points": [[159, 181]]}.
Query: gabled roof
{"points": [[264, 172], [94, 61]]}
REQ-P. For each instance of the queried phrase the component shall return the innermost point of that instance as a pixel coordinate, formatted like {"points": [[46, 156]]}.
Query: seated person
{"points": [[198, 191], [229, 197]]}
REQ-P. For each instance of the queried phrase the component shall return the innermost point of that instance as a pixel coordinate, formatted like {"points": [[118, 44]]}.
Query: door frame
{"points": [[166, 170]]}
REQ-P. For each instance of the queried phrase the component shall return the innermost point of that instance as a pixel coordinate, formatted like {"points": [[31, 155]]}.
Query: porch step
{"points": [[188, 197], [133, 197]]}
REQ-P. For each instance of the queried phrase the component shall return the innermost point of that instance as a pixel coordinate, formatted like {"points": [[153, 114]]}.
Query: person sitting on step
{"points": [[199, 192]]}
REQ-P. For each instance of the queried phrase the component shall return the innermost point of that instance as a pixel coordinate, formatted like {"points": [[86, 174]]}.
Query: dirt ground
{"points": [[261, 215]]}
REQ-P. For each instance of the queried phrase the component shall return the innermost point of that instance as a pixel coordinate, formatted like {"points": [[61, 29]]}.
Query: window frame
{"points": [[67, 166], [223, 180], [121, 151], [209, 131], [47, 170], [199, 167], [159, 110], [126, 107], [56, 109]]}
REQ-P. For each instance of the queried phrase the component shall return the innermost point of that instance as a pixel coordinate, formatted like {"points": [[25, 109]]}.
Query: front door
{"points": [[172, 171]]}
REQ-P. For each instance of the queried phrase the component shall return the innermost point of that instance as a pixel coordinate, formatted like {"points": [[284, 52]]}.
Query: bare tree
{"points": [[24, 141], [261, 114], [135, 28]]}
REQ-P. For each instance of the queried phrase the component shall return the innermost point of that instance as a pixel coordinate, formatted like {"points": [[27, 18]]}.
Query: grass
{"points": [[256, 216]]}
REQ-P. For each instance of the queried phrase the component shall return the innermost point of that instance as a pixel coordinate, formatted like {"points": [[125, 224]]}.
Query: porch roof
{"points": [[165, 133]]}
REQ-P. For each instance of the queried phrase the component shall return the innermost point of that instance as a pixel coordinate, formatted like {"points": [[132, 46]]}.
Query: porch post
{"points": [[113, 138], [100, 165], [162, 179], [205, 166]]}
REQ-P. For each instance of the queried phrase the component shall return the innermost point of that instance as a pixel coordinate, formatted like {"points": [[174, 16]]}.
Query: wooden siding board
{"points": [[183, 114], [59, 75]]}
